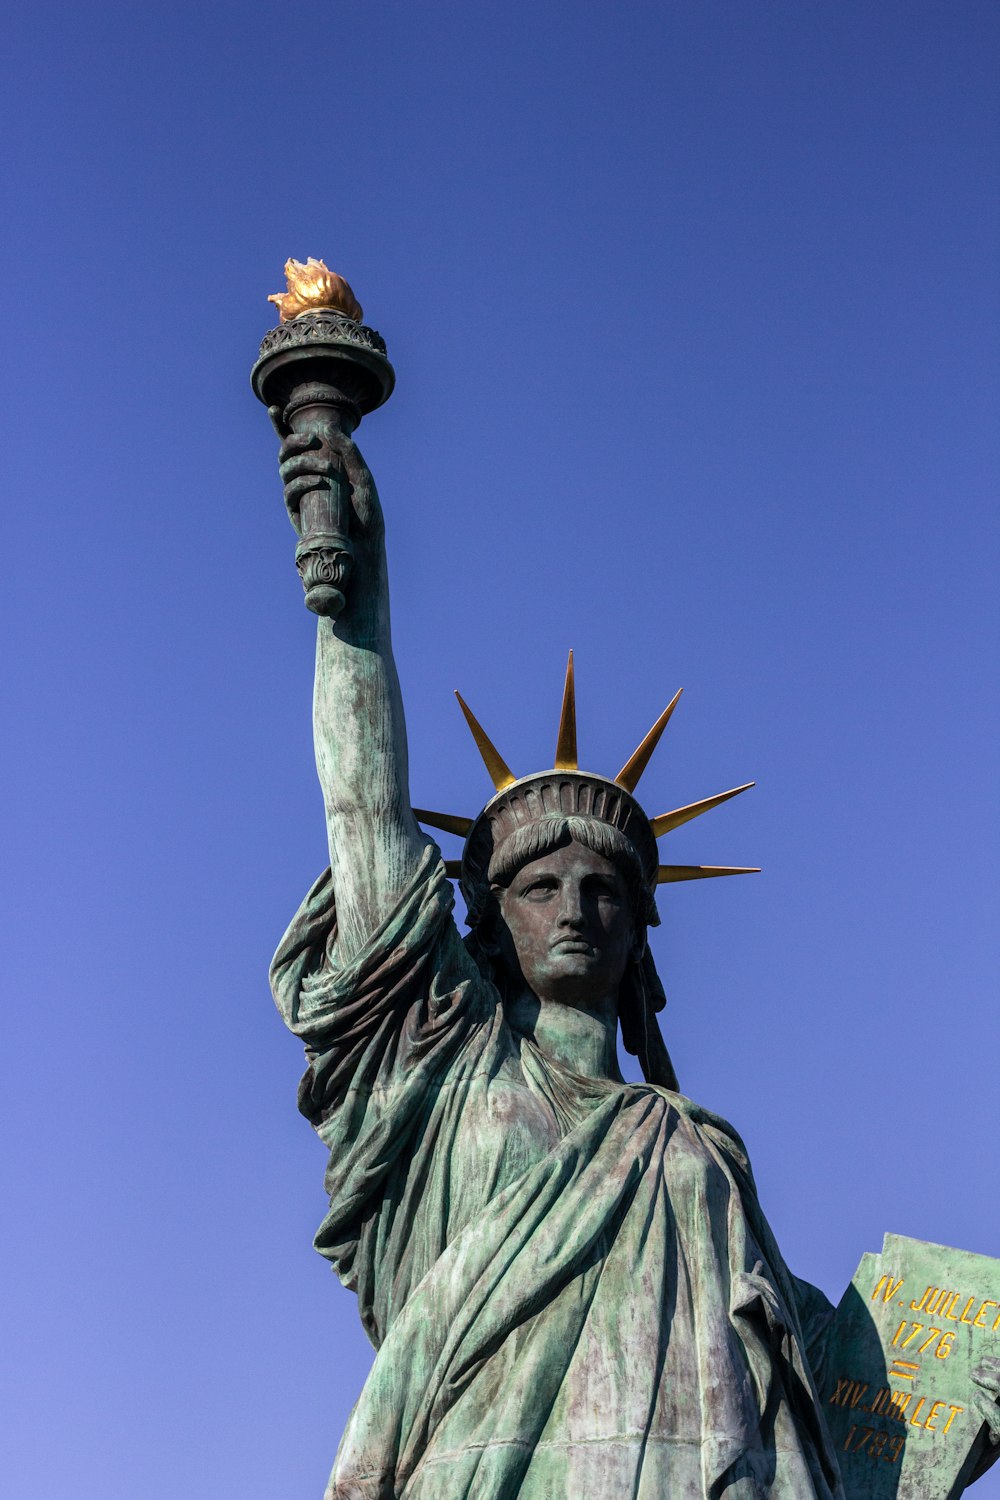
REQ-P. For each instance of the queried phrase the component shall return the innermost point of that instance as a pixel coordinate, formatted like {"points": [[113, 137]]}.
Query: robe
{"points": [[569, 1282]]}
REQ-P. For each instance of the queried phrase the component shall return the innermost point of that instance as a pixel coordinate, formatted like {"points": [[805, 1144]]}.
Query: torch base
{"points": [[328, 347]]}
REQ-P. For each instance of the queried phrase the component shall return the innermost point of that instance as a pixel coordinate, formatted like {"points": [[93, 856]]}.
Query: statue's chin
{"points": [[566, 976], [580, 986]]}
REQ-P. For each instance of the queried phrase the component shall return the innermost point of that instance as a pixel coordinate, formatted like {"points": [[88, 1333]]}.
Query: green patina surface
{"points": [[913, 1327], [568, 1279]]}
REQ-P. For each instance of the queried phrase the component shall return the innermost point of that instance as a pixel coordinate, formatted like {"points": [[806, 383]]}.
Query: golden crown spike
{"points": [[447, 822], [566, 742], [566, 763], [666, 822], [628, 776], [501, 774]]}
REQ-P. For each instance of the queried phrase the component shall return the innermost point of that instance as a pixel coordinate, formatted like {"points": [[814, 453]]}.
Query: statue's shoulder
{"points": [[718, 1130]]}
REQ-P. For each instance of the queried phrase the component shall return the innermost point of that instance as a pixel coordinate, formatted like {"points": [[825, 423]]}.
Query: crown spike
{"points": [[670, 820], [447, 822], [566, 744], [500, 773], [667, 874], [628, 776]]}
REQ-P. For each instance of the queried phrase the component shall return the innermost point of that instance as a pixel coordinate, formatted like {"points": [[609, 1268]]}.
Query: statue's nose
{"points": [[571, 910]]}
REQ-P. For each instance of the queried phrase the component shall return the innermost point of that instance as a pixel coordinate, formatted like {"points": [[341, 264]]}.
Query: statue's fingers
{"points": [[297, 442], [296, 488], [307, 463], [989, 1413], [987, 1375]]}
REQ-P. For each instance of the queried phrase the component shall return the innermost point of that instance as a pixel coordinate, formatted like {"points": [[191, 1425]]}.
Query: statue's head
{"points": [[559, 875], [566, 910]]}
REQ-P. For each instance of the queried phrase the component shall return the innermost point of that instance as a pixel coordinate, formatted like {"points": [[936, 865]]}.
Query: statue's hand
{"points": [[986, 1376], [306, 461], [986, 1402]]}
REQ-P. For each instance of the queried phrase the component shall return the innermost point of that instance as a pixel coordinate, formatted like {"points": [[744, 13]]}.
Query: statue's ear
{"points": [[488, 924]]}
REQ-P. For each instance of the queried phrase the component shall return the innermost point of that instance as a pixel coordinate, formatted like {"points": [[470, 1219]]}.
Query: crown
{"points": [[566, 791]]}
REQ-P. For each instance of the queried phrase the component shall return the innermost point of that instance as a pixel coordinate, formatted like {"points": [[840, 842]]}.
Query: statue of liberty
{"points": [[568, 1278]]}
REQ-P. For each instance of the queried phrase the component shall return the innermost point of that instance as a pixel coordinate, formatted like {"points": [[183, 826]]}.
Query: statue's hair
{"points": [[543, 835]]}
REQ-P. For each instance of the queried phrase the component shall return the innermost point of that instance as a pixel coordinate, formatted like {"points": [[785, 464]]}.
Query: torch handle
{"points": [[323, 370], [324, 556]]}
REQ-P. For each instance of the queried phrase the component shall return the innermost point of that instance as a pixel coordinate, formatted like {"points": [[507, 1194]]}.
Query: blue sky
{"points": [[694, 313]]}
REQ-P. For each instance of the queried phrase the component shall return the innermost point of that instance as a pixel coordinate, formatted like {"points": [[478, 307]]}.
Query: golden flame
{"points": [[313, 286]]}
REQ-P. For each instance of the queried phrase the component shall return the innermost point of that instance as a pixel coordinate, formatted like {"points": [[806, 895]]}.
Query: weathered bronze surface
{"points": [[914, 1352], [568, 1279], [318, 373]]}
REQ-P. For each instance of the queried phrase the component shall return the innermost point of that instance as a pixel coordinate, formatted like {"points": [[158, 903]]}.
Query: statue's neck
{"points": [[582, 1041]]}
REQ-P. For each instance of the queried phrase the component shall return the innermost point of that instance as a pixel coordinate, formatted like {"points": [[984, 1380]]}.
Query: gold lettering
{"points": [[979, 1314], [965, 1309], [914, 1420], [878, 1286], [919, 1306], [996, 1322], [954, 1413], [936, 1303], [948, 1310], [938, 1406], [876, 1405], [917, 1328], [898, 1402], [857, 1392], [934, 1333], [887, 1287], [843, 1386]]}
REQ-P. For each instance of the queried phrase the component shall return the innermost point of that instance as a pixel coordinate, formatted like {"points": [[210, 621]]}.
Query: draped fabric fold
{"points": [[569, 1283]]}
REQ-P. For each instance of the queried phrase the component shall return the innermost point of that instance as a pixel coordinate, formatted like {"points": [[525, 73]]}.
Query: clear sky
{"points": [[694, 312]]}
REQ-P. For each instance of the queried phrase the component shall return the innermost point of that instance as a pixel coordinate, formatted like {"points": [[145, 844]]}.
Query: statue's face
{"points": [[566, 927]]}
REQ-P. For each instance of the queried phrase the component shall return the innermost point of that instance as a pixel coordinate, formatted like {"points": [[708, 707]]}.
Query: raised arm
{"points": [[358, 725]]}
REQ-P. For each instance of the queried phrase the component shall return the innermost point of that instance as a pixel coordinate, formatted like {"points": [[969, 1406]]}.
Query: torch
{"points": [[323, 370]]}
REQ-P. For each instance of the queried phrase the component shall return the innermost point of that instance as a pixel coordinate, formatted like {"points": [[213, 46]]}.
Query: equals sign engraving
{"points": [[903, 1370]]}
